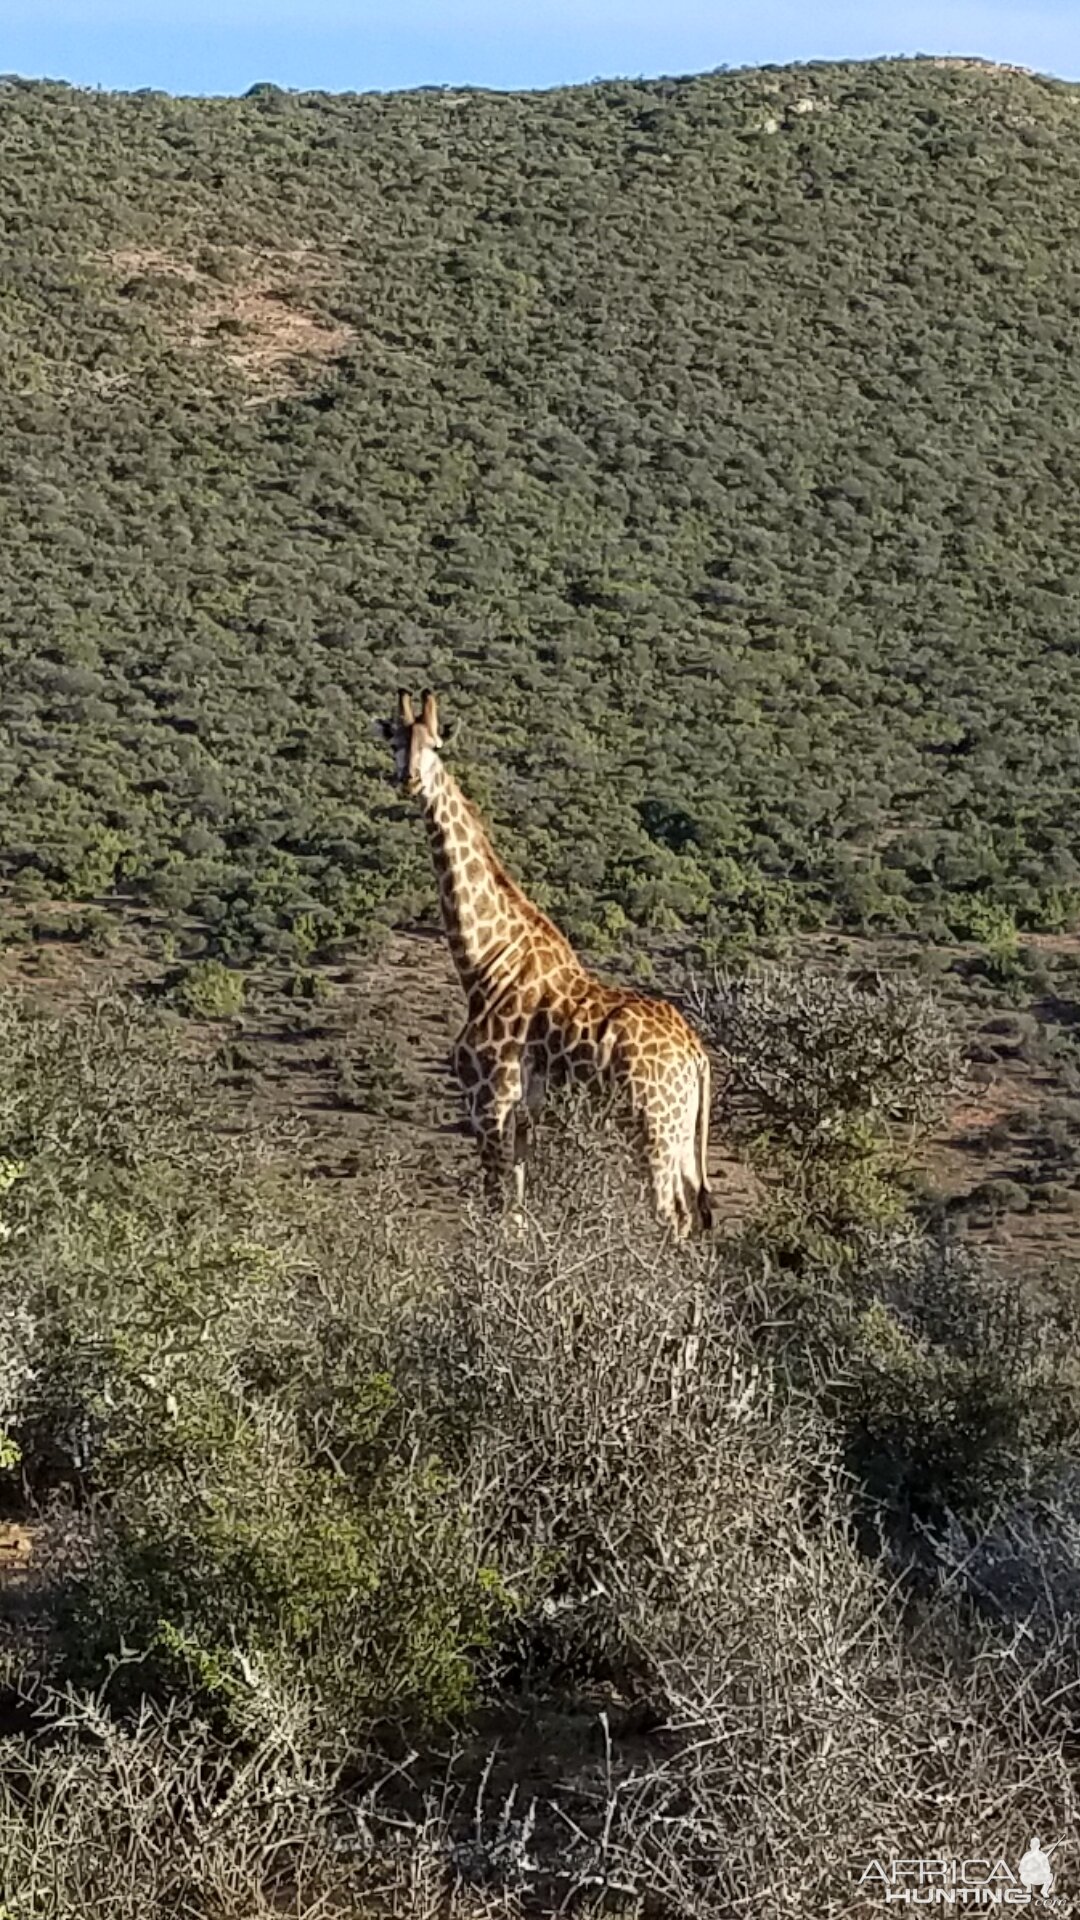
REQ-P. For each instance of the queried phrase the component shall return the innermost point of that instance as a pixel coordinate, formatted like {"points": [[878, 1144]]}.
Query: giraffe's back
{"points": [[617, 1032]]}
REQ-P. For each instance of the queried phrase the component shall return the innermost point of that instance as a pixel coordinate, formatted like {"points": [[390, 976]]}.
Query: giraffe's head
{"points": [[416, 742]]}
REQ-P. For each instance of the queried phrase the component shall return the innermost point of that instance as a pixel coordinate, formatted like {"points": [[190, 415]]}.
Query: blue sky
{"points": [[224, 46]]}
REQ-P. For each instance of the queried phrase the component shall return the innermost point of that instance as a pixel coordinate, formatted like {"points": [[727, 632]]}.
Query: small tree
{"points": [[210, 991], [828, 1085]]}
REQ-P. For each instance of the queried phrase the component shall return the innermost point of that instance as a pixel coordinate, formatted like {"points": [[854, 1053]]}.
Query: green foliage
{"points": [[828, 1086], [210, 991], [368, 1075], [660, 423], [263, 1526], [994, 927], [95, 866], [273, 1569], [956, 1393], [950, 1393]]}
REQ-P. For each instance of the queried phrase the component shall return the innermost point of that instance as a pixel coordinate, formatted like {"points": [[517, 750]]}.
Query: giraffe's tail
{"points": [[704, 1196]]}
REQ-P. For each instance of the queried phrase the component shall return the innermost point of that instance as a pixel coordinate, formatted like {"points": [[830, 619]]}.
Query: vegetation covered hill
{"points": [[709, 441]]}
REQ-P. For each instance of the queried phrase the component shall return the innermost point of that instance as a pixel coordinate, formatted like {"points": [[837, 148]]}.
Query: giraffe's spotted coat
{"points": [[536, 1016]]}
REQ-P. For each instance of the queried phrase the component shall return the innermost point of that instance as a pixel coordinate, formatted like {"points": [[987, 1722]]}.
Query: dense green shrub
{"points": [[949, 1394], [258, 1516], [210, 991], [954, 1393]]}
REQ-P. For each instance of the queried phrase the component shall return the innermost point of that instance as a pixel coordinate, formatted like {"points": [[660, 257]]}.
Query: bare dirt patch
{"points": [[348, 1062], [979, 66], [256, 321]]}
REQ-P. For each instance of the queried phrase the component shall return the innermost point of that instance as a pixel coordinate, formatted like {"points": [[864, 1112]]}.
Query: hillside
{"points": [[708, 441]]}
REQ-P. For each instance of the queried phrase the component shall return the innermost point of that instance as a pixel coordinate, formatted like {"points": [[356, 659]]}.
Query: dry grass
{"points": [[677, 1523], [646, 1451]]}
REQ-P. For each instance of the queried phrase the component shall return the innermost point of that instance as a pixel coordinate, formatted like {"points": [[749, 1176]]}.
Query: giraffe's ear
{"points": [[450, 732], [383, 729]]}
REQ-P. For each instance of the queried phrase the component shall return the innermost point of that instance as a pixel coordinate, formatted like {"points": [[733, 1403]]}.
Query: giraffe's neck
{"points": [[487, 918]]}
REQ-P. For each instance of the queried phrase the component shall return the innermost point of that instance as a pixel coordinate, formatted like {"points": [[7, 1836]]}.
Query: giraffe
{"points": [[535, 1015]]}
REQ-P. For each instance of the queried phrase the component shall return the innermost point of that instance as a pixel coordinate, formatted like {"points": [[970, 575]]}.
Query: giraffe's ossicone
{"points": [[535, 1014]]}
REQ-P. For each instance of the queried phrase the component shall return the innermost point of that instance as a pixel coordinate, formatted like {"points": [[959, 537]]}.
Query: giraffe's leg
{"points": [[688, 1185], [534, 1089], [675, 1149], [684, 1216], [492, 1106], [664, 1154], [661, 1180], [692, 1177]]}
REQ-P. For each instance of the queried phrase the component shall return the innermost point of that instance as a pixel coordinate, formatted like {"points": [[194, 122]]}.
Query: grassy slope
{"points": [[706, 439]]}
